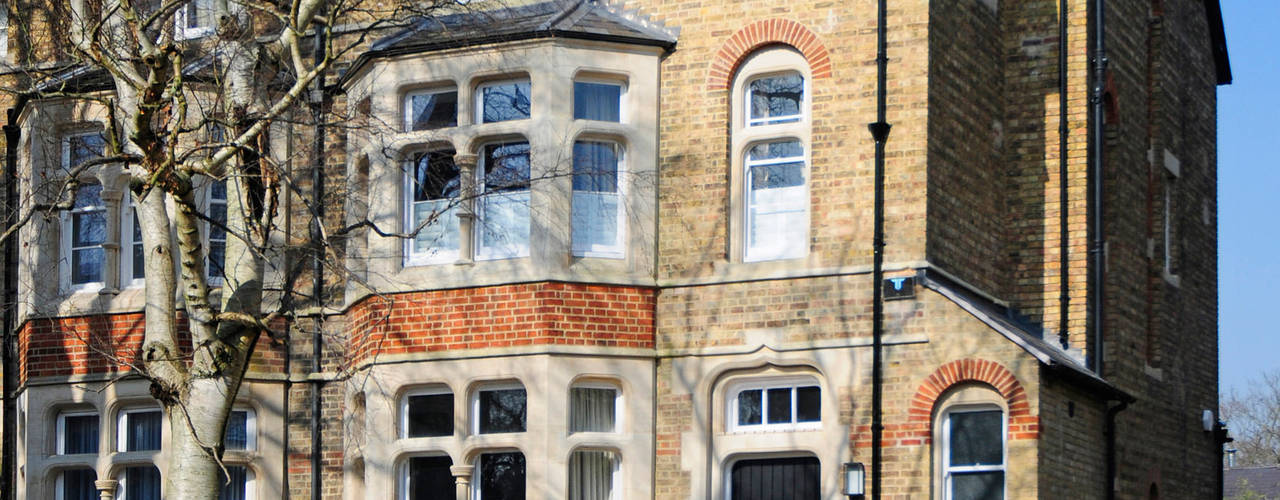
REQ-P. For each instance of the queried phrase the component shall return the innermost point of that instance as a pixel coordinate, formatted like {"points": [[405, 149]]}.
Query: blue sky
{"points": [[1248, 188]]}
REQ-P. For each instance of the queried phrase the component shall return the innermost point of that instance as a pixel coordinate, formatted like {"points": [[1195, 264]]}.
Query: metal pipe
{"points": [[317, 263], [880, 133], [1110, 433], [1096, 202], [8, 443], [1064, 265]]}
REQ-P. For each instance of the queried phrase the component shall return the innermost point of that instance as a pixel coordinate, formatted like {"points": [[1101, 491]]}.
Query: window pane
{"points": [[237, 437], [779, 405], [597, 101], [504, 101], [143, 430], [506, 167], [82, 148], [88, 229], [976, 439], [435, 110], [502, 476], [595, 222], [769, 177], [89, 196], [776, 99], [237, 483], [142, 483], [430, 415], [80, 434], [776, 150], [749, 407], [86, 265], [435, 176], [808, 404], [218, 213], [592, 410], [502, 411], [595, 167], [430, 479], [139, 263], [217, 258], [77, 484], [591, 475], [978, 486]]}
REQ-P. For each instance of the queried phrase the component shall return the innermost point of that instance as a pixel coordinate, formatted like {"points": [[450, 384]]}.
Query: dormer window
{"points": [[502, 101], [431, 109]]}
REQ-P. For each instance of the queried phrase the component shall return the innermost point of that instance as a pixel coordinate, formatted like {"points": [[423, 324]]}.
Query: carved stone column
{"points": [[106, 488], [466, 207], [462, 480]]}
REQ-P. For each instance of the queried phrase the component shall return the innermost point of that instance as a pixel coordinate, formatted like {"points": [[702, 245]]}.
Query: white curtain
{"points": [[591, 475], [504, 229], [592, 410]]}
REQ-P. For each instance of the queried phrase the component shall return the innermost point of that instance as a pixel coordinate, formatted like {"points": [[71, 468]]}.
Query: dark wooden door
{"points": [[791, 478]]}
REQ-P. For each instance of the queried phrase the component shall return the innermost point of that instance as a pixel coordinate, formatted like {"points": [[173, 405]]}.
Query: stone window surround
{"points": [[764, 62], [968, 396], [552, 67]]}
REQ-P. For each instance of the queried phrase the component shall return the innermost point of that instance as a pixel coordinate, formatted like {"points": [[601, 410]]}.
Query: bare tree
{"points": [[1254, 419], [257, 69]]}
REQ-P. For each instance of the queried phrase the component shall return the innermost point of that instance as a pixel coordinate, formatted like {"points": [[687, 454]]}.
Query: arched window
{"points": [[770, 140], [970, 427]]}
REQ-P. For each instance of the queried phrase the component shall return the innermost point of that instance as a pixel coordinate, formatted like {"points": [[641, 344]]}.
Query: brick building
{"points": [[648, 271]]}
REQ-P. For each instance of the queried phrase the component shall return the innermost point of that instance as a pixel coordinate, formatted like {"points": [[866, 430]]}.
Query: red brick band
{"points": [[1022, 424], [768, 32]]}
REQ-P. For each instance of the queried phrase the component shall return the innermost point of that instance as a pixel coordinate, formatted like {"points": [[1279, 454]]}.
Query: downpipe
{"points": [[880, 133]]}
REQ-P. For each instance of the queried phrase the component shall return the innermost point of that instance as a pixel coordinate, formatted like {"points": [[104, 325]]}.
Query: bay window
{"points": [[426, 478], [427, 413], [139, 430], [502, 477], [593, 408], [499, 409], [84, 232], [139, 483], [597, 100], [593, 475], [76, 484], [238, 485]]}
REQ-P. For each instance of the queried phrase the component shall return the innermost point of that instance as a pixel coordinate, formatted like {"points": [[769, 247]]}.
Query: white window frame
{"points": [[126, 242], [431, 391], [482, 251], [619, 248], [618, 404], [407, 105], [477, 479], [4, 32], [619, 82], [474, 405], [763, 385], [58, 483], [250, 428], [479, 98], [402, 472], [181, 31], [61, 430], [948, 470], [797, 118], [67, 256], [777, 248], [414, 256], [615, 493], [1173, 171], [122, 430]]}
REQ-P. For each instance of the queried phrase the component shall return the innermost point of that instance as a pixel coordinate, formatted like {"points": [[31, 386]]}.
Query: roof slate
{"points": [[1262, 482]]}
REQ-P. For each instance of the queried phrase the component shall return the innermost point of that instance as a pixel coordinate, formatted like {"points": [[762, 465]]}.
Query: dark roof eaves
{"points": [[1218, 39], [419, 48], [1054, 360]]}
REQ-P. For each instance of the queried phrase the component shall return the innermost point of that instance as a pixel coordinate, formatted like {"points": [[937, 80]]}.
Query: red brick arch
{"points": [[1022, 424], [768, 32]]}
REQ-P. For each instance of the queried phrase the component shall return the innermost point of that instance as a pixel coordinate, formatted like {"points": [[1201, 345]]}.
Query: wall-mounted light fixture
{"points": [[854, 480]]}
